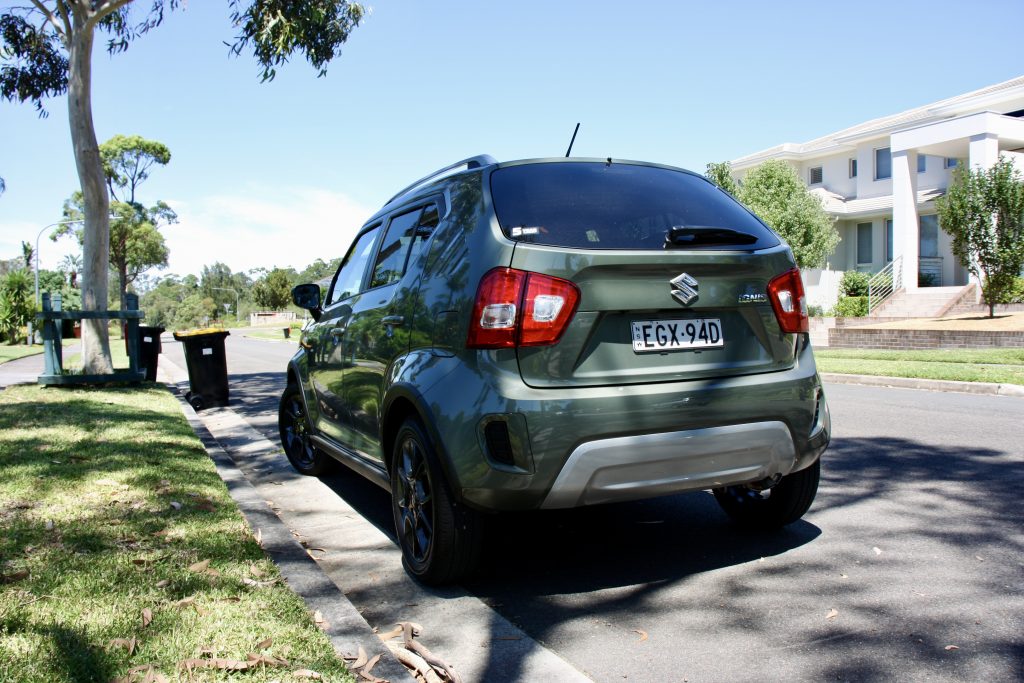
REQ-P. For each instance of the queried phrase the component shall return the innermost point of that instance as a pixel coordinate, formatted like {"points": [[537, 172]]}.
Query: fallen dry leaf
{"points": [[176, 505], [163, 583], [16, 576], [642, 634], [359, 661], [878, 551], [140, 562], [264, 644], [306, 673], [258, 584], [127, 643], [952, 647], [256, 571], [265, 660], [185, 602], [199, 566], [49, 525], [319, 620], [832, 614], [147, 617]]}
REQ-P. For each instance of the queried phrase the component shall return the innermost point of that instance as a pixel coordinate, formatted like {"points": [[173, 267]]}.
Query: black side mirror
{"points": [[308, 297]]}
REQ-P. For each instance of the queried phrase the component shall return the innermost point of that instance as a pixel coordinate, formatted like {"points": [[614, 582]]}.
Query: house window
{"points": [[883, 163], [853, 168], [921, 163], [888, 240], [816, 176], [929, 236], [951, 162], [863, 243]]}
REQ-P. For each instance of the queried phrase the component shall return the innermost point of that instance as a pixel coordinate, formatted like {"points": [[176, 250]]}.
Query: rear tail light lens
{"points": [[518, 308], [786, 292]]}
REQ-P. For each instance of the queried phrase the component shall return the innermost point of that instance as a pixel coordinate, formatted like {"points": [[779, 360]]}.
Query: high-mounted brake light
{"points": [[786, 292], [517, 308]]}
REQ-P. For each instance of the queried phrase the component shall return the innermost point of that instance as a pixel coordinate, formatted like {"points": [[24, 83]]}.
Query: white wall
{"points": [[835, 172], [821, 286]]}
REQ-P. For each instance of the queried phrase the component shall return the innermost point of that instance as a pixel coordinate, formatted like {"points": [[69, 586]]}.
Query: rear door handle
{"points": [[393, 320]]}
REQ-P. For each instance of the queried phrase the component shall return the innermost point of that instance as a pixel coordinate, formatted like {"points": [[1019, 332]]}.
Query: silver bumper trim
{"points": [[635, 467]]}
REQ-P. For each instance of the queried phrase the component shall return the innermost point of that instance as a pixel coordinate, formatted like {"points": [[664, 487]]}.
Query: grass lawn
{"points": [[1005, 366], [274, 333], [121, 550], [21, 350]]}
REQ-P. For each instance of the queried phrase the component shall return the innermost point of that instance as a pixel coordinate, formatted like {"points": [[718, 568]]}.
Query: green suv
{"points": [[555, 333]]}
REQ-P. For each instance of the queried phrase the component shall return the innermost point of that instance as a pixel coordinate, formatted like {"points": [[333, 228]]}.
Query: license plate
{"points": [[677, 335]]}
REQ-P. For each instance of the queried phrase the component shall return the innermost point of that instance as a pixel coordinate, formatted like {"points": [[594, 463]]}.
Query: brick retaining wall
{"points": [[859, 338]]}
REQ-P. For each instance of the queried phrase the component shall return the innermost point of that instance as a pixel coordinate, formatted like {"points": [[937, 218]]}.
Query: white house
{"points": [[880, 179]]}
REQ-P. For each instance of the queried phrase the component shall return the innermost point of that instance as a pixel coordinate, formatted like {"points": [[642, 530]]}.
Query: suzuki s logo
{"points": [[684, 289]]}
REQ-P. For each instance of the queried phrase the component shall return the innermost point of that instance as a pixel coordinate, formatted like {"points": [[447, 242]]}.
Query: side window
{"points": [[395, 248], [428, 219], [350, 274]]}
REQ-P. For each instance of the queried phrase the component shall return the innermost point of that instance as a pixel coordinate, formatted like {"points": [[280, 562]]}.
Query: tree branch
{"points": [[102, 10], [63, 9], [52, 20]]}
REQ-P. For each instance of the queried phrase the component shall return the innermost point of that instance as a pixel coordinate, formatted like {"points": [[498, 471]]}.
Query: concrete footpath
{"points": [[354, 573]]}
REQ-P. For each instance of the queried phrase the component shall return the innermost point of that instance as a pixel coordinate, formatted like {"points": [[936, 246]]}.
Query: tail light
{"points": [[786, 293], [517, 308]]}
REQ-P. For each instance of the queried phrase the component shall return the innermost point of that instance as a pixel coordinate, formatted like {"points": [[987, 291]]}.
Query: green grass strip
{"points": [[958, 371], [973, 356], [120, 549], [21, 350]]}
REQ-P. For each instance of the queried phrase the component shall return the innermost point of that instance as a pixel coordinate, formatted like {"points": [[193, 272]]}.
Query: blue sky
{"points": [[280, 173]]}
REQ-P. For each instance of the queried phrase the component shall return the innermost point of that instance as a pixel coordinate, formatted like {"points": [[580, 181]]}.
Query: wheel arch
{"points": [[402, 402]]}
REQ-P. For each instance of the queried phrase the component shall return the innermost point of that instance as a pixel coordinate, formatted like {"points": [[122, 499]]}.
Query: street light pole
{"points": [[227, 289], [31, 335]]}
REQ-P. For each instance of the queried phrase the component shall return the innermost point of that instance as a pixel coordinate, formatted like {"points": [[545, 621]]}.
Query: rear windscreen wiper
{"points": [[705, 235]]}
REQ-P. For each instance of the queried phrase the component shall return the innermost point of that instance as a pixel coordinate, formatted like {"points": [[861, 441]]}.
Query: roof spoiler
{"points": [[473, 162]]}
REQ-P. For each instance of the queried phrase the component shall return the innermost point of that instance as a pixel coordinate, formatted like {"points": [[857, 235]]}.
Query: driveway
{"points": [[909, 565]]}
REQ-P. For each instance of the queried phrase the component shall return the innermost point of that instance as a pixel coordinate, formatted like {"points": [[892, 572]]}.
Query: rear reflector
{"points": [[786, 292], [519, 308]]}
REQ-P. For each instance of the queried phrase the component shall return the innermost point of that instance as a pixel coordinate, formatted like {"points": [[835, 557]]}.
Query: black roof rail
{"points": [[473, 162]]}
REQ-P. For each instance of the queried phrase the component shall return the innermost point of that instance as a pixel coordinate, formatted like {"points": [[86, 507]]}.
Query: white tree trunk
{"points": [[96, 245]]}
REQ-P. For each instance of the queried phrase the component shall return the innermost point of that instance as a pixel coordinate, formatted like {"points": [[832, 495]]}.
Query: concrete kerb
{"points": [[984, 388], [344, 626]]}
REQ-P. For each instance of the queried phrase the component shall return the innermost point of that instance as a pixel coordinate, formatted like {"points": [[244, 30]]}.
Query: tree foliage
{"points": [[127, 160], [983, 211], [273, 291], [16, 304], [136, 244], [775, 192], [46, 50]]}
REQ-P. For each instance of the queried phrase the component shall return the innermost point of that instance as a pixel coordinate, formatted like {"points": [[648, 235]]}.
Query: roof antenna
{"points": [[572, 141]]}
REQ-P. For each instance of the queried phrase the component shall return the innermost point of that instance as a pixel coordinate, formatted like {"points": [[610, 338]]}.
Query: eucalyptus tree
{"points": [[46, 50]]}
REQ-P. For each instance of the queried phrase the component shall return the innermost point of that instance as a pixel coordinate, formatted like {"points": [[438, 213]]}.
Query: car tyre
{"points": [[296, 433], [782, 504], [440, 538]]}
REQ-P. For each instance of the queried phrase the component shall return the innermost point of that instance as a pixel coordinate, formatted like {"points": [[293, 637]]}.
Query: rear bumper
{"points": [[633, 467], [593, 445]]}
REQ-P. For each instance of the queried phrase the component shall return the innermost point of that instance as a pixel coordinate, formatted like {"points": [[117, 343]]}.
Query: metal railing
{"points": [[884, 283]]}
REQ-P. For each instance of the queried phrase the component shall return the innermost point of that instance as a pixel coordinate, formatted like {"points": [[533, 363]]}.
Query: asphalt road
{"points": [[909, 566]]}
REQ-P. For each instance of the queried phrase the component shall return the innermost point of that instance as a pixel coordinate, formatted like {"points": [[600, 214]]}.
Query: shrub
{"points": [[17, 305], [852, 307], [815, 311], [1014, 293], [854, 283]]}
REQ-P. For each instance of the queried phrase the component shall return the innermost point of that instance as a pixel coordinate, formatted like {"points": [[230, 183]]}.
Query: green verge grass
{"points": [[1004, 366], [121, 550], [21, 350]]}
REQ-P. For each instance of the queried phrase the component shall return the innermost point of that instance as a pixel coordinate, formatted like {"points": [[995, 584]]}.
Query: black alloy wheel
{"points": [[782, 504], [295, 435], [441, 538]]}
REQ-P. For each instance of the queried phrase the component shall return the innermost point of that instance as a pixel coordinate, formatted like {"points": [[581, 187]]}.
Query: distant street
{"points": [[908, 567]]}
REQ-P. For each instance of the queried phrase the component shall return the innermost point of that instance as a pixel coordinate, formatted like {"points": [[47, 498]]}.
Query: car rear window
{"points": [[584, 205]]}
